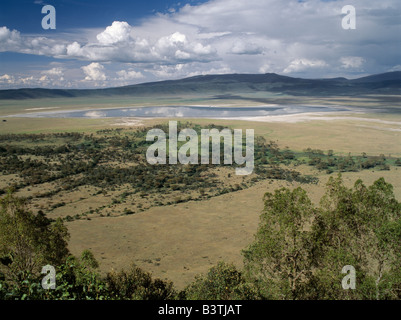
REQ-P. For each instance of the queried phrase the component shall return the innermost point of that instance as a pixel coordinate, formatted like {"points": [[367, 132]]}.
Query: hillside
{"points": [[386, 83]]}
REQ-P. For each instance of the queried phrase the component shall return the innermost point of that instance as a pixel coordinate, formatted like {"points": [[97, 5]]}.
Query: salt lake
{"points": [[208, 112]]}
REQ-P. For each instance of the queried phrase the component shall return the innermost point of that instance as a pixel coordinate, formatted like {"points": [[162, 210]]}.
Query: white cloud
{"points": [[53, 76], [265, 68], [6, 79], [27, 80], [94, 72], [182, 55], [298, 65], [396, 68], [129, 75], [242, 47], [172, 40], [4, 34], [74, 49], [352, 62], [164, 71], [116, 44], [9, 40], [119, 31], [177, 47], [56, 72], [222, 70]]}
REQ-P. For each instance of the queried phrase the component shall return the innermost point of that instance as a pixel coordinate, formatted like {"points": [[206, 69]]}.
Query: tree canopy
{"points": [[300, 249]]}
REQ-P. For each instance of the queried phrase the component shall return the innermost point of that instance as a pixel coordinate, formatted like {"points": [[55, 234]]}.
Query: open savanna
{"points": [[179, 241], [183, 233]]}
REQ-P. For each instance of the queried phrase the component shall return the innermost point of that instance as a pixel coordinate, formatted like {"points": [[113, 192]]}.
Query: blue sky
{"points": [[112, 43], [26, 16]]}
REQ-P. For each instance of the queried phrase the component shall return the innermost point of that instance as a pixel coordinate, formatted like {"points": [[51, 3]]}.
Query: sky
{"points": [[97, 44]]}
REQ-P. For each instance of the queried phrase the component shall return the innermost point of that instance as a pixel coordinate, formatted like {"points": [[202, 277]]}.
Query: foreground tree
{"points": [[359, 226], [300, 251], [280, 259], [27, 241]]}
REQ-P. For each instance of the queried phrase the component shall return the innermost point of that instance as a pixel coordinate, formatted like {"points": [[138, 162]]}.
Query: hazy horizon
{"points": [[217, 74]]}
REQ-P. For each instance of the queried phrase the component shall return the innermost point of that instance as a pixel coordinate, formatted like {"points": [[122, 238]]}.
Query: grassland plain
{"points": [[370, 133], [176, 241]]}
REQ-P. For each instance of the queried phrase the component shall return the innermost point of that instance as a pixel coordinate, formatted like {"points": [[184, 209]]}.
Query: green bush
{"points": [[222, 282], [136, 284]]}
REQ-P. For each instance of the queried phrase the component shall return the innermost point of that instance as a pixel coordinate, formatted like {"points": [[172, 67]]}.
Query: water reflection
{"points": [[186, 112]]}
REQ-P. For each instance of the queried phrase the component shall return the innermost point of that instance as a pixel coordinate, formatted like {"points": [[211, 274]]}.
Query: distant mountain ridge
{"points": [[385, 83]]}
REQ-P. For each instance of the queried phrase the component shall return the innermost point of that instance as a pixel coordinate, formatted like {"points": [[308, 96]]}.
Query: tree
{"points": [[136, 284], [280, 258], [222, 282], [76, 279], [359, 226], [300, 251], [27, 241], [381, 214]]}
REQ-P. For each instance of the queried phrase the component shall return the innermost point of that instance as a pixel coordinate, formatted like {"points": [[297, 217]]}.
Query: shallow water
{"points": [[186, 112]]}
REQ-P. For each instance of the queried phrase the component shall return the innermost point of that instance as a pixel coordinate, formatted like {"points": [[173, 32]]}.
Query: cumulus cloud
{"points": [[119, 31], [73, 49], [94, 72], [177, 47], [13, 41], [6, 79], [129, 75], [164, 71], [298, 65], [56, 72], [119, 43], [27, 80], [9, 40], [53, 76]]}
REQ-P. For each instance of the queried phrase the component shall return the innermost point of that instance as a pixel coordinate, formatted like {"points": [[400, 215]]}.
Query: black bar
{"points": [[201, 309]]}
